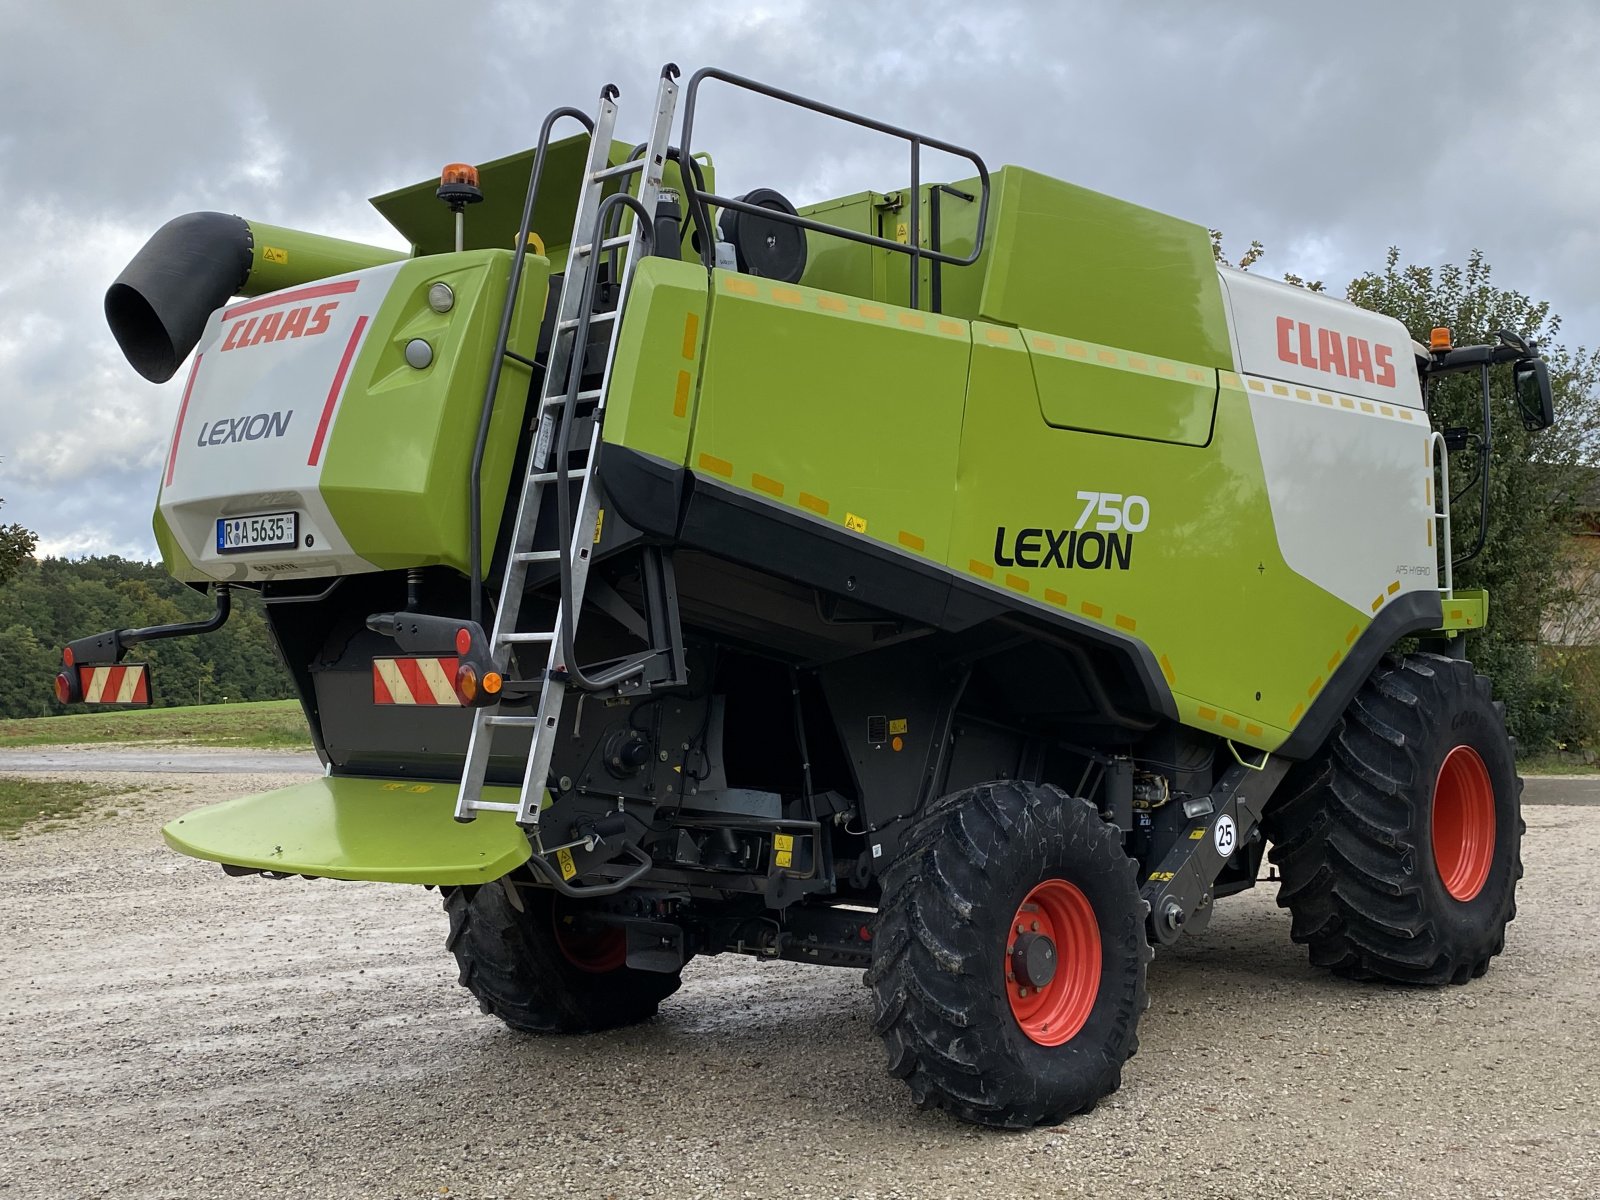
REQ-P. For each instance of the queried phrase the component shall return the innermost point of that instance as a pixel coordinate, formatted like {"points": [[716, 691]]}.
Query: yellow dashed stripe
{"points": [[815, 503], [911, 541], [717, 466], [770, 486], [680, 397]]}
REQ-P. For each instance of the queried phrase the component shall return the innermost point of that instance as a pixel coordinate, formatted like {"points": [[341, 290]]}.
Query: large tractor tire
{"points": [[1009, 956], [1399, 844], [546, 969]]}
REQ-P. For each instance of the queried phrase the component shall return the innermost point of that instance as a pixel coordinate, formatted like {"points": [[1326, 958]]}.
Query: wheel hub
{"points": [[1033, 960], [1053, 962], [1463, 823]]}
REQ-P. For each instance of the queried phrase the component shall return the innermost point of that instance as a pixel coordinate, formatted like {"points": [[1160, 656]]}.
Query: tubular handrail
{"points": [[1441, 510], [699, 200], [508, 310], [644, 240]]}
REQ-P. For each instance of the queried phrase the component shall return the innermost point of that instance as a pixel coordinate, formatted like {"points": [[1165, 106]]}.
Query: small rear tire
{"points": [[1009, 956], [547, 968], [1399, 844]]}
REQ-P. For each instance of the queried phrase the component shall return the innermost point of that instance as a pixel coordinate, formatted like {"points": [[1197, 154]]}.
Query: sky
{"points": [[1329, 132]]}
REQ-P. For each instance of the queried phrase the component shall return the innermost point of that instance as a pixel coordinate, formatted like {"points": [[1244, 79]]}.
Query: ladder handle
{"points": [[644, 229], [507, 311]]}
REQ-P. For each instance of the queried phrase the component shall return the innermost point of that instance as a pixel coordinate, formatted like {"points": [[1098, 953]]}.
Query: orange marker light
{"points": [[491, 682], [1439, 339], [459, 173], [467, 683], [64, 688]]}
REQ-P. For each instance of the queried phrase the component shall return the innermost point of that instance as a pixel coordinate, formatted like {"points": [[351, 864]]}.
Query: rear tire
{"points": [[543, 970], [965, 1037], [1399, 844]]}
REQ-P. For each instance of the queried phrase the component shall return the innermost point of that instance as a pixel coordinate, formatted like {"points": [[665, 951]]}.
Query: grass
{"points": [[266, 724], [1557, 763], [25, 802]]}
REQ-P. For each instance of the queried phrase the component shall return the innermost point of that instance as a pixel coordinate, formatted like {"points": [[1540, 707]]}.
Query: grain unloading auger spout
{"points": [[159, 305]]}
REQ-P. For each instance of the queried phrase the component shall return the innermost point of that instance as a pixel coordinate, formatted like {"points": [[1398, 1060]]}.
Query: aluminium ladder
{"points": [[566, 366]]}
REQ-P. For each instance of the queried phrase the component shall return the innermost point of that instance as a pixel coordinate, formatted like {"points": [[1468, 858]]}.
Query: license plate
{"points": [[268, 531]]}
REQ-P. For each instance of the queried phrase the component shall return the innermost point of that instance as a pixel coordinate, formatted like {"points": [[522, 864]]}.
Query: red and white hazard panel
{"points": [[430, 681], [127, 684]]}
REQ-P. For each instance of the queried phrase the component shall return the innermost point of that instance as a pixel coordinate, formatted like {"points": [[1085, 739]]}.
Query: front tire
{"points": [[546, 969], [1399, 844], [1009, 956]]}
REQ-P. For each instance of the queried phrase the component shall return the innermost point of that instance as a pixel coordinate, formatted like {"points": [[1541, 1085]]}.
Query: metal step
{"points": [[579, 283]]}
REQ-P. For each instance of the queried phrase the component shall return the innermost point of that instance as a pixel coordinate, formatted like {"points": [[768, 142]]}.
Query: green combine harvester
{"points": [[962, 583]]}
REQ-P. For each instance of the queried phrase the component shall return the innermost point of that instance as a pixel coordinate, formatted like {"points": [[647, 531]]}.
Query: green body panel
{"points": [[400, 449], [837, 406], [1065, 259], [1204, 578], [1056, 257], [397, 832], [283, 258], [173, 558], [657, 367], [1466, 610], [927, 434], [1157, 398], [492, 223]]}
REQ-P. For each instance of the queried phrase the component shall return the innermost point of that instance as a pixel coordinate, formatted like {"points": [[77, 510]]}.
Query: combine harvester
{"points": [[960, 582]]}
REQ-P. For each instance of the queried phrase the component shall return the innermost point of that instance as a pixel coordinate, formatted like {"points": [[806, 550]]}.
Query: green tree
{"points": [[16, 547]]}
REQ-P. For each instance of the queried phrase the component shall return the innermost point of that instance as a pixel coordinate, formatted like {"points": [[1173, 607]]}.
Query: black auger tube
{"points": [[158, 307]]}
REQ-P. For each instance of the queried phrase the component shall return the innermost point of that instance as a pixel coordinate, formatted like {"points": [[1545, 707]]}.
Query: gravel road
{"points": [[166, 1031]]}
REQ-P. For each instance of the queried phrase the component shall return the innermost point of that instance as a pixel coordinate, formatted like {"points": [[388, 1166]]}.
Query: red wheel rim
{"points": [[1463, 823], [596, 949], [1054, 1011]]}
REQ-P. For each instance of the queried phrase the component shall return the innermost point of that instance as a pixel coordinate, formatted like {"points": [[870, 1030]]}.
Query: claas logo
{"points": [[304, 321], [1336, 353]]}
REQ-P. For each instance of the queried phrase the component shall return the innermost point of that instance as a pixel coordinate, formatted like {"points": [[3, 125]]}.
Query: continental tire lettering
{"points": [[1090, 549]]}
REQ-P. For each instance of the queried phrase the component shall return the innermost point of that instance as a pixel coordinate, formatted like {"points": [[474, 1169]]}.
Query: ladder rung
{"points": [[512, 722], [627, 168], [492, 806], [537, 556], [561, 397], [611, 243], [517, 639], [551, 476], [573, 322]]}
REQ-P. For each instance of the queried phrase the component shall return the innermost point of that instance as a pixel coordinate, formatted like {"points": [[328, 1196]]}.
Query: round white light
{"points": [[418, 353], [441, 298]]}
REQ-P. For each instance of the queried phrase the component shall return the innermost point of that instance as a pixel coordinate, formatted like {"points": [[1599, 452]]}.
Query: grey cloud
{"points": [[1329, 132]]}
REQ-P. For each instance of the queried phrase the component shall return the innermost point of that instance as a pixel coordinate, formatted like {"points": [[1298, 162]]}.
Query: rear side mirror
{"points": [[1530, 379]]}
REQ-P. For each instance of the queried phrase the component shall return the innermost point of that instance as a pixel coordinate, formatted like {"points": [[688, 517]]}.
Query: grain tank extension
{"points": [[959, 581]]}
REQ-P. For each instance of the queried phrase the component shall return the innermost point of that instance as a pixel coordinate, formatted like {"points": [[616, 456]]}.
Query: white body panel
{"points": [[1285, 332], [253, 427], [1351, 495], [1347, 457]]}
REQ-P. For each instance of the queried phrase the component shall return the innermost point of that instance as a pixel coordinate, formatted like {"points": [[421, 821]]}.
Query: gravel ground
{"points": [[166, 1031]]}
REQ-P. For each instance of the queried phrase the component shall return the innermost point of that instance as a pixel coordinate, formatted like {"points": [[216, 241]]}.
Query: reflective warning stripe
{"points": [[415, 681], [127, 684]]}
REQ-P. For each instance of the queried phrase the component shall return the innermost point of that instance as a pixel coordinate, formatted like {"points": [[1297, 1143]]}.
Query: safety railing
{"points": [[700, 201], [1439, 480]]}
